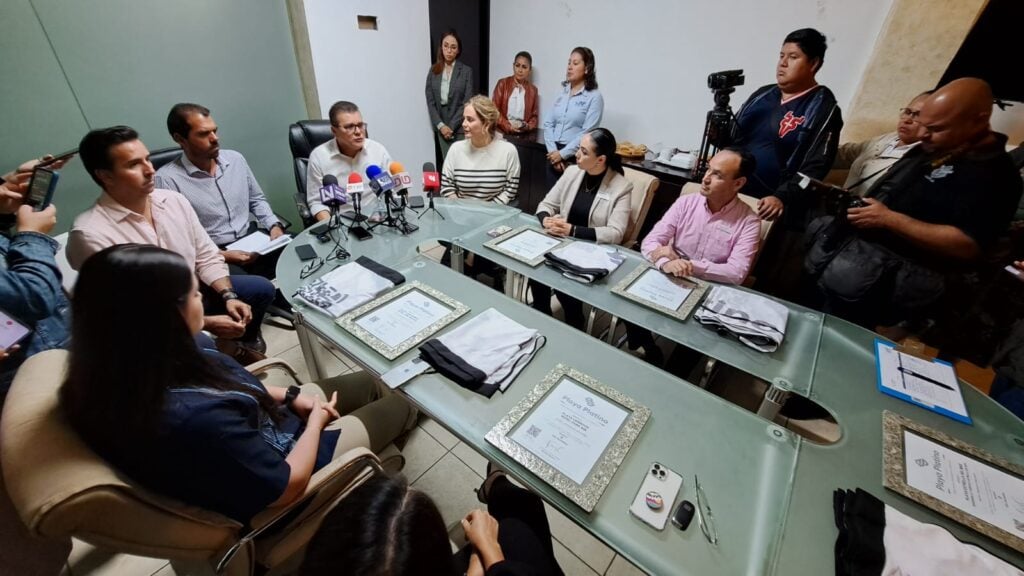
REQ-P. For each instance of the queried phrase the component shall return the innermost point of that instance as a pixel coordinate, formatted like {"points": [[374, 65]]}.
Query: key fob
{"points": [[684, 514]]}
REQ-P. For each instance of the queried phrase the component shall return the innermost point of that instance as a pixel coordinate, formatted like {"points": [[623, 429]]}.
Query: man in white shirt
{"points": [[349, 151]]}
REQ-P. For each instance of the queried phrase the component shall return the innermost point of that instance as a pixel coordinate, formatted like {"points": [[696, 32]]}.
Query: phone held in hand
{"points": [[62, 156], [41, 187], [12, 330]]}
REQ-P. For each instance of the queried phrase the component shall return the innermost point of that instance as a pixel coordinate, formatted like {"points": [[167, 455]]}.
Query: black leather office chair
{"points": [[303, 137], [164, 156]]}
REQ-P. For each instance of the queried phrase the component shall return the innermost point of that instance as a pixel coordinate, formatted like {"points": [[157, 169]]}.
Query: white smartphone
{"points": [[12, 330], [657, 496]]}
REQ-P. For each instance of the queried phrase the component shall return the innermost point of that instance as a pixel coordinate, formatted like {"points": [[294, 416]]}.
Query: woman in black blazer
{"points": [[449, 87]]}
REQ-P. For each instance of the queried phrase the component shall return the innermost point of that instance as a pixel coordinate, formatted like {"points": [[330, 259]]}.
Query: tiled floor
{"points": [[436, 462]]}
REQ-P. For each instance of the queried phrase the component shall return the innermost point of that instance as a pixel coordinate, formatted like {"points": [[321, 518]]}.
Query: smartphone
{"points": [[361, 233], [322, 232], [12, 330], [416, 202], [660, 486], [59, 157], [305, 252], [40, 188]]}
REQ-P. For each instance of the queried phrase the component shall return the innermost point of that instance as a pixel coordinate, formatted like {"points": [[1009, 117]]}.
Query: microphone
{"points": [[331, 194], [380, 181], [355, 190], [431, 180], [401, 178]]}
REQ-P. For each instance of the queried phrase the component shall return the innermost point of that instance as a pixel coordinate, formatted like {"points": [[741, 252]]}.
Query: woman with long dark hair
{"points": [[516, 97], [577, 109], [192, 423], [449, 86], [386, 528], [590, 202]]}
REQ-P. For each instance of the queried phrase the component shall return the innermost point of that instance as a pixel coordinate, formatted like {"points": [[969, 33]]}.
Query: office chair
{"points": [[61, 489], [303, 137]]}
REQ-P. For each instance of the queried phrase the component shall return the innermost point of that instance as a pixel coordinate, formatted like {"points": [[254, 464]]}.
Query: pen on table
{"points": [[926, 379]]}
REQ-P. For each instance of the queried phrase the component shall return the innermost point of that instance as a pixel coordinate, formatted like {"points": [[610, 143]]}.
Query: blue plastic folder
{"points": [[930, 384]]}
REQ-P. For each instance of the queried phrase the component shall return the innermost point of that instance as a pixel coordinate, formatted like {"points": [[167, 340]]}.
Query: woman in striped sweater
{"points": [[482, 166]]}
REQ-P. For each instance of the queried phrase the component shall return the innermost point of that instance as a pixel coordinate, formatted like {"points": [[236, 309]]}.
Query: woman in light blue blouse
{"points": [[577, 110]]}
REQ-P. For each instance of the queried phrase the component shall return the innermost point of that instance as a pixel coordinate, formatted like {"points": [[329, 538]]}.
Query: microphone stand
{"points": [[391, 220], [430, 206], [357, 217]]}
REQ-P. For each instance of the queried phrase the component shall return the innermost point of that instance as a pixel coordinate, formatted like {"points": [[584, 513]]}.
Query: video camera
{"points": [[718, 126], [726, 79]]}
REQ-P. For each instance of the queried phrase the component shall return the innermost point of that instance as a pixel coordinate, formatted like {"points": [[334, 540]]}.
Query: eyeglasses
{"points": [[311, 268], [704, 516], [909, 113], [351, 128]]}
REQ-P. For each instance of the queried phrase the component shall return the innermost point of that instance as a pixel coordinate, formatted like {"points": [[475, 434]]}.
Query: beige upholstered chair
{"points": [[644, 187], [766, 228], [62, 489]]}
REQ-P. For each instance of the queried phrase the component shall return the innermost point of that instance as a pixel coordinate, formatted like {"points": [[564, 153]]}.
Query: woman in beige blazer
{"points": [[590, 201]]}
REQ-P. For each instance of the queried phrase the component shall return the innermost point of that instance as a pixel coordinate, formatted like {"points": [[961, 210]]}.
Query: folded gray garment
{"points": [[348, 287], [876, 539], [757, 321], [485, 354]]}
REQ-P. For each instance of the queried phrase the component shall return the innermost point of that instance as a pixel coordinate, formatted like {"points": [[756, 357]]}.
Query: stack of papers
{"points": [[259, 243], [757, 321]]}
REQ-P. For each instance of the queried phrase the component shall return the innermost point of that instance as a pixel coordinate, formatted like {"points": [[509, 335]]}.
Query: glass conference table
{"points": [[769, 489], [790, 368]]}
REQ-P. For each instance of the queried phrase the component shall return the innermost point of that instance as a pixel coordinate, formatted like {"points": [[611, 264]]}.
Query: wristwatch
{"points": [[229, 294], [291, 395]]}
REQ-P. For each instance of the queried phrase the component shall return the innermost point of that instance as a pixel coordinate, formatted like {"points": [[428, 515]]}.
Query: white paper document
{"points": [[259, 242], [570, 428], [529, 244], [932, 384], [657, 288], [977, 488], [403, 317]]}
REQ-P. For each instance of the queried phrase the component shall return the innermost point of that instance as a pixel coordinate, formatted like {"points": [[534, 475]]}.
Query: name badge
{"points": [[602, 196]]}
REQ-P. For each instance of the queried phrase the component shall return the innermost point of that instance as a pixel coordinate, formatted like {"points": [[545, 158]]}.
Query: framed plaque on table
{"points": [[665, 293], [958, 480], [573, 432], [398, 321], [526, 244]]}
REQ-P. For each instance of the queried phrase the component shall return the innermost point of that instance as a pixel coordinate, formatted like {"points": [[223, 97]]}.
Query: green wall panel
{"points": [[129, 61]]}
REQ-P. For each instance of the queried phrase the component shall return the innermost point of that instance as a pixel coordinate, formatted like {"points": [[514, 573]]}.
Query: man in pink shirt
{"points": [[712, 235], [131, 211]]}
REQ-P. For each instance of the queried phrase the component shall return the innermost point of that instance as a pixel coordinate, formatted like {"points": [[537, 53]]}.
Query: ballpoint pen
{"points": [[925, 378]]}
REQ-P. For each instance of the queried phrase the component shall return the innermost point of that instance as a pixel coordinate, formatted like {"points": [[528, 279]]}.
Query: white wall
{"points": [[653, 56], [383, 71]]}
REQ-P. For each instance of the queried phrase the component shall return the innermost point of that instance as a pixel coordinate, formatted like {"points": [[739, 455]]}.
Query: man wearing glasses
{"points": [[349, 151], [867, 161]]}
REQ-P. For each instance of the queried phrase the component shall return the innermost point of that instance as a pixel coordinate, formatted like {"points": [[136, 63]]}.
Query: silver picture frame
{"points": [[587, 494], [496, 245], [699, 287], [894, 473], [348, 321]]}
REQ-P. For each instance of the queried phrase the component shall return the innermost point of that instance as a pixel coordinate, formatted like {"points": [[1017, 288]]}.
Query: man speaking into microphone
{"points": [[350, 151]]}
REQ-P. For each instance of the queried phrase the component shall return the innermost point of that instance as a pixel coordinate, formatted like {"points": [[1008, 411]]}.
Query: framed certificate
{"points": [[394, 323], [526, 244], [653, 288], [573, 432], [969, 485]]}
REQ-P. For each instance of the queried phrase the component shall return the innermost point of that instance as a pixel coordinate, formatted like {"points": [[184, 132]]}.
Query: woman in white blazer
{"points": [[590, 201]]}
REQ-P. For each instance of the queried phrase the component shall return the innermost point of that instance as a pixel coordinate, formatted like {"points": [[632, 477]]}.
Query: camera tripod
{"points": [[717, 131]]}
